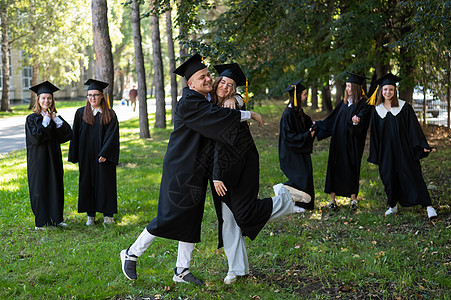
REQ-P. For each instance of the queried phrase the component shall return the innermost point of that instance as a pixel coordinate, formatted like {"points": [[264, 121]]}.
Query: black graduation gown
{"points": [[187, 165], [238, 168], [45, 168], [346, 146], [396, 145], [97, 191], [295, 147]]}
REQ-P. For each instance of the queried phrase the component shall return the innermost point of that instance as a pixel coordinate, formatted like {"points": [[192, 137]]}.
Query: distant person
{"points": [[95, 146], [132, 95], [236, 183], [347, 126], [186, 170], [397, 144], [45, 132], [295, 146]]}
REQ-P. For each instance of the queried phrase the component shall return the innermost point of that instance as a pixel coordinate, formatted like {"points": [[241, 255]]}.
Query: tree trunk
{"points": [[160, 115], [5, 106], [102, 45], [314, 97], [140, 71], [326, 97], [171, 54], [339, 91], [34, 81], [183, 51], [407, 70]]}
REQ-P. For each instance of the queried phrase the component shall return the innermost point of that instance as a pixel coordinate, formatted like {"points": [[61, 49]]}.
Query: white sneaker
{"points": [[391, 210], [229, 279], [39, 228], [298, 210], [108, 220], [432, 214], [62, 224], [91, 221]]}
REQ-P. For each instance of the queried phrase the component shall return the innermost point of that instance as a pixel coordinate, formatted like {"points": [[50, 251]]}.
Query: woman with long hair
{"points": [[397, 144], [95, 146], [295, 146], [45, 132], [347, 126]]}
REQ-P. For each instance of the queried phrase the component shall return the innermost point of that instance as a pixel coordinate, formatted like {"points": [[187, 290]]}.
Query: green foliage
{"points": [[315, 255]]}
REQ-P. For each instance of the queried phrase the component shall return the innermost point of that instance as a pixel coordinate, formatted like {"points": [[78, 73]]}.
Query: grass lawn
{"points": [[316, 255]]}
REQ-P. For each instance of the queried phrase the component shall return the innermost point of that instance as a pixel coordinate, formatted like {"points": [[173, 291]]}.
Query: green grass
{"points": [[316, 255]]}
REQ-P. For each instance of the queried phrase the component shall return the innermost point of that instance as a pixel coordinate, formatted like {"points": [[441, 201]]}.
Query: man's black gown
{"points": [[238, 168], [295, 147], [97, 191], [45, 168], [397, 144], [346, 146], [187, 165]]}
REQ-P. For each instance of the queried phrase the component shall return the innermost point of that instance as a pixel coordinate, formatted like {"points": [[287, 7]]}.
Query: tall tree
{"points": [[5, 106], [140, 71], [102, 44], [171, 54], [160, 114]]}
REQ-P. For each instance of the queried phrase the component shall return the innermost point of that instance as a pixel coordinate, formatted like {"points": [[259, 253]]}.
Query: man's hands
{"points": [[257, 117], [220, 188]]}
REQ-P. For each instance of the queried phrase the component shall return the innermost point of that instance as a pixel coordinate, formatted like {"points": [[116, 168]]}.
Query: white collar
{"points": [[382, 111], [96, 110], [350, 101]]}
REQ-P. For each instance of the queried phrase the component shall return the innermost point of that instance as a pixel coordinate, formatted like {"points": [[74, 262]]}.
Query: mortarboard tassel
{"points": [[363, 92], [202, 59], [295, 98], [246, 98], [372, 99], [108, 100]]}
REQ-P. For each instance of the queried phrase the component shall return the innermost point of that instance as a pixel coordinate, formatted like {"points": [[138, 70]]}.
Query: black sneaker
{"points": [[354, 204], [129, 265], [187, 277], [332, 205]]}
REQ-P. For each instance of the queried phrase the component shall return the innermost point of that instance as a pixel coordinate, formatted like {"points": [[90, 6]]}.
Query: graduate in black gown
{"points": [[295, 146], [397, 144], [187, 168], [45, 132], [236, 183], [95, 147], [347, 126]]}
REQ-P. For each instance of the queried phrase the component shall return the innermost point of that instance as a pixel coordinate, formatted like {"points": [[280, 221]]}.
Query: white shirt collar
{"points": [[96, 110], [382, 111], [350, 101]]}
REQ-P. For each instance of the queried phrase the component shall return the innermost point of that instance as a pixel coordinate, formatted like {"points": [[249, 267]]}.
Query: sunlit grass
{"points": [[318, 255]]}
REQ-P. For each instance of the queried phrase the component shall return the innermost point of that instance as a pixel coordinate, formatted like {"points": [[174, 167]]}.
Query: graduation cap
{"points": [[355, 78], [94, 84], [44, 87], [190, 66], [387, 79], [295, 86], [98, 85], [232, 71]]}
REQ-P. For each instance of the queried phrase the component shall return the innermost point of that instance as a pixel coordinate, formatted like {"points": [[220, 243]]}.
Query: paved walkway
{"points": [[12, 130]]}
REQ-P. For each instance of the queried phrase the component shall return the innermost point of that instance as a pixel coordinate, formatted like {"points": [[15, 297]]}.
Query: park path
{"points": [[12, 130]]}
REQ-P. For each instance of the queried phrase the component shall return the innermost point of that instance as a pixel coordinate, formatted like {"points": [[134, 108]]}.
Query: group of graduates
{"points": [[211, 143], [94, 144]]}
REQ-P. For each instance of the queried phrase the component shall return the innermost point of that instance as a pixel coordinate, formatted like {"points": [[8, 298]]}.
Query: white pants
{"points": [[145, 239], [234, 244]]}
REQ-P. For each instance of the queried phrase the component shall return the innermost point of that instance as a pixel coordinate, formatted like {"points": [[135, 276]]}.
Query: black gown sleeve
{"points": [[324, 127], [64, 133], [364, 113], [374, 139], [297, 141], [36, 132], [75, 142], [417, 139], [110, 146]]}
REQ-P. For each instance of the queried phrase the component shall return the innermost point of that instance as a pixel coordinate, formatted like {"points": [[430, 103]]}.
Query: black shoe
{"points": [[354, 205], [187, 277], [129, 265], [332, 205]]}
